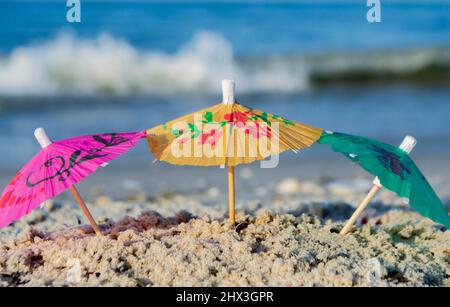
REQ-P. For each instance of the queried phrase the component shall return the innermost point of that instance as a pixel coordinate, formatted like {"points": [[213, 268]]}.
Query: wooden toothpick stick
{"points": [[407, 145], [360, 209], [45, 141], [231, 194], [228, 87]]}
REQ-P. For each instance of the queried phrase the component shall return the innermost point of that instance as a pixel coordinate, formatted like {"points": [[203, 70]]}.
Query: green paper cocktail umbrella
{"points": [[394, 169]]}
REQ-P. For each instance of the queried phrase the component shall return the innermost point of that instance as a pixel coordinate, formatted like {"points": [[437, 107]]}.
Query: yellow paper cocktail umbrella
{"points": [[227, 134]]}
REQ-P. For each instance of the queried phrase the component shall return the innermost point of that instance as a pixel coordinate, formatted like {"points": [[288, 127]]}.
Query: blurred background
{"points": [[130, 65]]}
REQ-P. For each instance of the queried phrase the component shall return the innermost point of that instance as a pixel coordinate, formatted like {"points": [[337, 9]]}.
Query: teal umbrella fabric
{"points": [[395, 170]]}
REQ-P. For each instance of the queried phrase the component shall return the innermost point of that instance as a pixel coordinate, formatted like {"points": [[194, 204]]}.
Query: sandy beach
{"points": [[287, 235]]}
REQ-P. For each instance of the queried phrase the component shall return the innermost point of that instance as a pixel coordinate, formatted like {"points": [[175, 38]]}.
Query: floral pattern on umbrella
{"points": [[222, 127]]}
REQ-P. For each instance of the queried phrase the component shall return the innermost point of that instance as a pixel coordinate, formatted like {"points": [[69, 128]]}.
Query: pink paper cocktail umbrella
{"points": [[59, 166]]}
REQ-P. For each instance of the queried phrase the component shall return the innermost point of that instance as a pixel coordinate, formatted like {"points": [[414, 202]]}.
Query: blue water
{"points": [[252, 28], [131, 65]]}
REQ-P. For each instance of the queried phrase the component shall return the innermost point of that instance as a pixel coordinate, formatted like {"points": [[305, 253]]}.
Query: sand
{"points": [[295, 243]]}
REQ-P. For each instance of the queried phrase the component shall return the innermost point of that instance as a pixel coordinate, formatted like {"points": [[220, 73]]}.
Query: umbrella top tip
{"points": [[42, 137], [228, 87], [228, 81], [39, 132], [408, 144]]}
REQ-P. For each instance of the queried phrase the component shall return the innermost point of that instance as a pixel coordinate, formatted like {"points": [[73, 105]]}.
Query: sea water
{"points": [[130, 65]]}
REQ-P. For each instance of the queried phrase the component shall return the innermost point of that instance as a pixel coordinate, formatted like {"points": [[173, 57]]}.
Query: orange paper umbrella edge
{"points": [[227, 134]]}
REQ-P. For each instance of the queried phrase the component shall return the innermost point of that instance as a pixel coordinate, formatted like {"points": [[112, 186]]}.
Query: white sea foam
{"points": [[68, 65]]}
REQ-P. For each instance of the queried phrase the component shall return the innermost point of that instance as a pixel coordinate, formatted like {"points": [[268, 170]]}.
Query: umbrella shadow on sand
{"points": [[146, 221], [341, 211]]}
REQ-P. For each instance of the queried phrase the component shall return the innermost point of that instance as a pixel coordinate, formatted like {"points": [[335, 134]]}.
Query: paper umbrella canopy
{"points": [[58, 167], [395, 170], [228, 135]]}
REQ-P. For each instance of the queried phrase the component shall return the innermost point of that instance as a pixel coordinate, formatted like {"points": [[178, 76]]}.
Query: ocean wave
{"points": [[431, 65], [69, 65]]}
